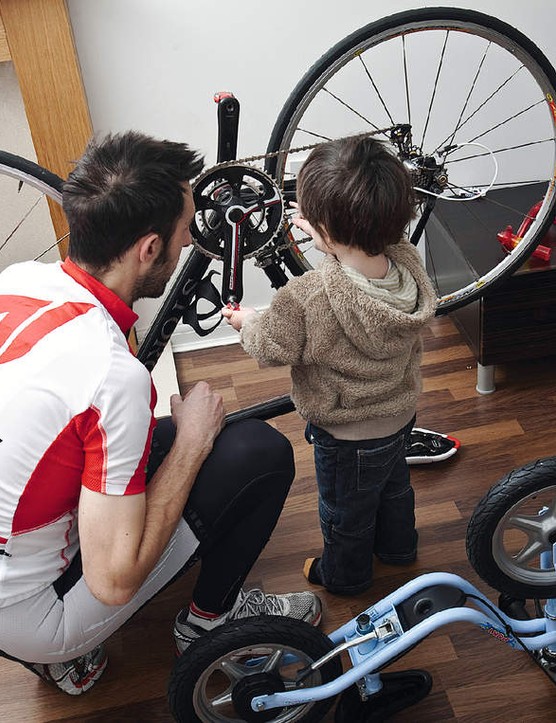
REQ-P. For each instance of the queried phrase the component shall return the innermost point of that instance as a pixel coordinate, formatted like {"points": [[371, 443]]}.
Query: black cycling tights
{"points": [[234, 505]]}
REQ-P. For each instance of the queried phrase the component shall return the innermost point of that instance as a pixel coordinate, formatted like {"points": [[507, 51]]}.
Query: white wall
{"points": [[154, 65], [15, 137]]}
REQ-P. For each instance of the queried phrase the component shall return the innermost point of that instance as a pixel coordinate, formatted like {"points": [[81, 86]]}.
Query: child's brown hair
{"points": [[357, 192]]}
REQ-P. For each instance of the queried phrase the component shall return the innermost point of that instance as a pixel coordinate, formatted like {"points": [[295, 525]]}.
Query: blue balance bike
{"points": [[278, 669]]}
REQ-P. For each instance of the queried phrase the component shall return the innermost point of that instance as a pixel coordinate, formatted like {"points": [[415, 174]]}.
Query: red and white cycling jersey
{"points": [[75, 409]]}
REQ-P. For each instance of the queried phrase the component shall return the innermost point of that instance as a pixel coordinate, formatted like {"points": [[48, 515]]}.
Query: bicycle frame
{"points": [[379, 635], [191, 275]]}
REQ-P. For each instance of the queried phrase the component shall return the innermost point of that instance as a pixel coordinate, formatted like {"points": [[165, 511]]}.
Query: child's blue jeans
{"points": [[366, 506]]}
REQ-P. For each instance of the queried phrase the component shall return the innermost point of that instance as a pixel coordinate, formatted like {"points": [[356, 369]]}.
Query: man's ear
{"points": [[149, 247]]}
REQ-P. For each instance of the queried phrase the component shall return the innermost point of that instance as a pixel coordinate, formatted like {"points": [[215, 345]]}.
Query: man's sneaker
{"points": [[74, 676], [425, 446], [304, 606]]}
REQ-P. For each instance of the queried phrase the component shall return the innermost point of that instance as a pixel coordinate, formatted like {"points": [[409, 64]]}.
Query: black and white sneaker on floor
{"points": [[426, 446]]}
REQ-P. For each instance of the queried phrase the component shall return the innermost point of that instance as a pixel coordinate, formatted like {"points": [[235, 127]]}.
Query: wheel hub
{"points": [[428, 173], [252, 686]]}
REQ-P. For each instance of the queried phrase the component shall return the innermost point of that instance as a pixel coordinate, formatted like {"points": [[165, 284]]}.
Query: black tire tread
{"points": [[507, 492], [235, 635], [32, 169]]}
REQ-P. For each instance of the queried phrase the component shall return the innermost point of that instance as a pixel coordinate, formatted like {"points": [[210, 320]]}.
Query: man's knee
{"points": [[265, 448]]}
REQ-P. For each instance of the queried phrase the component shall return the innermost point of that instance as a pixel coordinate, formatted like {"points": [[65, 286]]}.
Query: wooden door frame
{"points": [[37, 36]]}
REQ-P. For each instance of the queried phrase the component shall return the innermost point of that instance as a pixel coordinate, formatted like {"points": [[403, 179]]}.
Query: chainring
{"points": [[232, 195]]}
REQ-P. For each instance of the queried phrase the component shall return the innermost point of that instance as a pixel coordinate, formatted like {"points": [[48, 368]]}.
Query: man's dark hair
{"points": [[123, 187], [358, 192]]}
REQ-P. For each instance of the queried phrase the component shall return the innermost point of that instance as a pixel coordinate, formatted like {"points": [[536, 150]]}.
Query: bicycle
{"points": [[493, 151], [277, 669]]}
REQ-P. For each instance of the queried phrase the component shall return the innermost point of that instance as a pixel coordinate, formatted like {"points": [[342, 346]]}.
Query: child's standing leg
{"points": [[395, 535], [353, 478]]}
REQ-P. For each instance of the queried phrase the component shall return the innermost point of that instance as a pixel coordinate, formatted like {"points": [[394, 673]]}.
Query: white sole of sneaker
{"points": [[437, 458]]}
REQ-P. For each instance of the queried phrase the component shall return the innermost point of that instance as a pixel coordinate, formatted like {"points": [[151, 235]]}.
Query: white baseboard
{"points": [[185, 339]]}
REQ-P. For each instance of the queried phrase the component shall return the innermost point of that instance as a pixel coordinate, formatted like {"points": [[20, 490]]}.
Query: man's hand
{"points": [[198, 416], [236, 317]]}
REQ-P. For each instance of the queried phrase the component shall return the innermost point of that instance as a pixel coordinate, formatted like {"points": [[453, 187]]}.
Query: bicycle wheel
{"points": [[468, 103], [216, 678], [26, 230], [511, 527]]}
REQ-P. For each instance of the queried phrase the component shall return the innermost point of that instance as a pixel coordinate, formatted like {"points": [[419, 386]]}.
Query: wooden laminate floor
{"points": [[475, 677]]}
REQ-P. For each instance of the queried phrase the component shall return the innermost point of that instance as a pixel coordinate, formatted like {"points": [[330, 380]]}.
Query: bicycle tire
{"points": [[509, 528], [180, 294], [190, 682], [29, 172], [25, 220], [327, 69]]}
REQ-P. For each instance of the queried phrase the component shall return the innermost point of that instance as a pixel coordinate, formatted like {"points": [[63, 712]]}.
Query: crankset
{"points": [[239, 209]]}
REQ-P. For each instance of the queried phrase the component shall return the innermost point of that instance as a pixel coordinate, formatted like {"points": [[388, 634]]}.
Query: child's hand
{"points": [[236, 317], [321, 242], [301, 222]]}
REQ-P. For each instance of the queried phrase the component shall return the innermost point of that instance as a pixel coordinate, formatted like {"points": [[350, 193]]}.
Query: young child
{"points": [[351, 332]]}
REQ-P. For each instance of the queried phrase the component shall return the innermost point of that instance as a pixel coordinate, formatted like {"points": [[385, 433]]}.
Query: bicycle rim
{"points": [[26, 230], [458, 78]]}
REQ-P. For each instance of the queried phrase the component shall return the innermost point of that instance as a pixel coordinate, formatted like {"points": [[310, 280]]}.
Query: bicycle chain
{"points": [[299, 149], [263, 156]]}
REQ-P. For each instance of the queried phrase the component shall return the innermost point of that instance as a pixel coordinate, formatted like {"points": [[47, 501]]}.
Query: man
{"points": [[84, 540]]}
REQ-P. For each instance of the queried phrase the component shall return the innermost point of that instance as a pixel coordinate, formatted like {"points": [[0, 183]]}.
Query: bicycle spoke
{"points": [[468, 98], [222, 701], [52, 246], [483, 104], [235, 671], [498, 150], [273, 661], [314, 135], [381, 99], [532, 525], [406, 82], [352, 109], [433, 95], [502, 123], [20, 223], [530, 552]]}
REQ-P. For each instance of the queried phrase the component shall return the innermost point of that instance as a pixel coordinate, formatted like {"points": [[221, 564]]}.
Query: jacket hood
{"points": [[373, 326]]}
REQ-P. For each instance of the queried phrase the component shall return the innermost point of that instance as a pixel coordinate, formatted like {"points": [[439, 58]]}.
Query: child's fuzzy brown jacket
{"points": [[352, 357]]}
